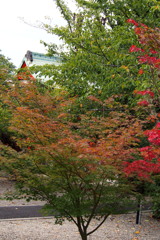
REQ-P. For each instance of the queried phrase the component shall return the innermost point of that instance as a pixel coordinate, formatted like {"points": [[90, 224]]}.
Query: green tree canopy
{"points": [[96, 58], [6, 69], [7, 73]]}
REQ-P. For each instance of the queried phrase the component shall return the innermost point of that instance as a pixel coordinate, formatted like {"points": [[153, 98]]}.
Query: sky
{"points": [[16, 36]]}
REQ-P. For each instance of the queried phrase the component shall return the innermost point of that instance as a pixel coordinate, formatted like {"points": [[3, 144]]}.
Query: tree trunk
{"points": [[138, 215], [82, 230], [84, 236]]}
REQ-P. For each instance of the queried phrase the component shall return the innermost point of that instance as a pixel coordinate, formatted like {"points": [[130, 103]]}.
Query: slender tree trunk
{"points": [[83, 233], [138, 215], [84, 236], [82, 230]]}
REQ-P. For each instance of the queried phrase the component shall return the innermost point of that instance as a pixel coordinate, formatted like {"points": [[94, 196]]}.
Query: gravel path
{"points": [[117, 227]]}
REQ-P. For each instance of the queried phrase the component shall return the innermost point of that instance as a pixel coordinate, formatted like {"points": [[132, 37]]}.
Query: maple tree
{"points": [[149, 39], [74, 164], [147, 166]]}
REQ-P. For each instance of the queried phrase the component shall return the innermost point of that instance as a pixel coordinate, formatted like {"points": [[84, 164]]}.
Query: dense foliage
{"points": [[97, 38], [75, 165], [7, 71]]}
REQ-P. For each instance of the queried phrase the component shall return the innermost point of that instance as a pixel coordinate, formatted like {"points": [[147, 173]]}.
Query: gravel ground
{"points": [[117, 227]]}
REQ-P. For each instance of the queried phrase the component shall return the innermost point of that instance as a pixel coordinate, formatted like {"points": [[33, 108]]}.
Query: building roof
{"points": [[34, 58], [38, 59]]}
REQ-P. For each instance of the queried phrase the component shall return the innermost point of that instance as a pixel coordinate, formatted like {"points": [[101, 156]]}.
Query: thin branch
{"points": [[105, 217], [66, 16], [95, 205], [71, 217]]}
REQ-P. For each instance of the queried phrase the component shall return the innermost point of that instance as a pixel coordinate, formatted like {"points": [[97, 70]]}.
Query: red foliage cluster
{"points": [[145, 92], [149, 38], [134, 48], [154, 135], [143, 103], [148, 163], [140, 72], [133, 22], [150, 60]]}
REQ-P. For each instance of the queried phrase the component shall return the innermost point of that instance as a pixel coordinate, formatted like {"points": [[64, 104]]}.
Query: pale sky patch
{"points": [[18, 37]]}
